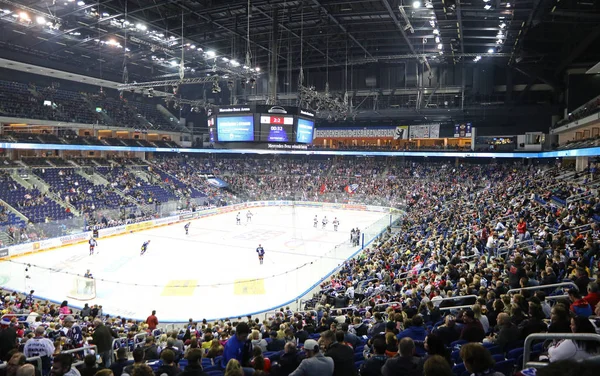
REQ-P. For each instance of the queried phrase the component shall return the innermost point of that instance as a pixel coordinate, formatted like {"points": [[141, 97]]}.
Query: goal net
{"points": [[83, 288]]}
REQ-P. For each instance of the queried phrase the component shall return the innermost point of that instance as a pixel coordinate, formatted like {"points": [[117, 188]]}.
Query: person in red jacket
{"points": [[152, 321], [593, 296], [521, 228]]}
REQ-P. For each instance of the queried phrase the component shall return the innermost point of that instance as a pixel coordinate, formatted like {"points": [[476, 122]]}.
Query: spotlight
{"points": [[211, 54], [252, 83], [491, 51], [40, 20], [416, 4]]}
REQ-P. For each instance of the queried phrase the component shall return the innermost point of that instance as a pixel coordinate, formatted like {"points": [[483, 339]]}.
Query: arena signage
{"points": [[4, 252], [356, 133]]}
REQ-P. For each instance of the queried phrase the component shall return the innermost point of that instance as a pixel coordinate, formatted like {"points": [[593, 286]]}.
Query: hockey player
{"points": [[324, 222], [93, 243], [88, 274], [249, 217], [261, 253], [238, 219], [315, 222], [336, 223], [144, 247], [187, 227]]}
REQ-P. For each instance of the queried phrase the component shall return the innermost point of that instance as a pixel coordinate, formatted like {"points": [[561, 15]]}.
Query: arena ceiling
{"points": [[149, 37]]}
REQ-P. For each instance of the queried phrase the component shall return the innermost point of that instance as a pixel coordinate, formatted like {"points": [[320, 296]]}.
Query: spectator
{"points": [[378, 326], [26, 370], [478, 360], [449, 331], [42, 347], [142, 370], [152, 321], [593, 296], [61, 366], [168, 366], [171, 346], [8, 339], [434, 346], [508, 332], [177, 343], [350, 338], [276, 344], [16, 361], [436, 365], [343, 356], [138, 359], [406, 364], [238, 347], [194, 367], [257, 341], [259, 362], [559, 319], [118, 366], [90, 367], [150, 349], [472, 330], [373, 365], [575, 349], [416, 331], [103, 338], [476, 308], [289, 360], [301, 334], [315, 363], [579, 306], [216, 349]]}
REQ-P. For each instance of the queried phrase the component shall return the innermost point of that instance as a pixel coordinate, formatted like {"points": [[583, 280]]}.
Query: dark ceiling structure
{"points": [[102, 37], [153, 40]]}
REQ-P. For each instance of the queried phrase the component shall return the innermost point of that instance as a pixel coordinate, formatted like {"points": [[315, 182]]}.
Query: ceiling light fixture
{"points": [[437, 39], [440, 46], [508, 5], [416, 4], [225, 59], [487, 7], [24, 16], [40, 20], [428, 4], [80, 3], [502, 25], [211, 54], [477, 58], [174, 63], [436, 31], [258, 69], [141, 27], [491, 51]]}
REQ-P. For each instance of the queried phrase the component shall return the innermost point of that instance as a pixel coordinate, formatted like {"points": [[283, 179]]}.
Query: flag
{"points": [[351, 188], [323, 189]]}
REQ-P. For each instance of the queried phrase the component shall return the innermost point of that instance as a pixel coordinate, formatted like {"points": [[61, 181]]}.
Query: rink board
{"points": [[211, 273]]}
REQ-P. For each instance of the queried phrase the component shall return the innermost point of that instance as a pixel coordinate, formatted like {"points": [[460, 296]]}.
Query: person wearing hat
{"points": [[8, 339], [74, 333], [315, 364]]}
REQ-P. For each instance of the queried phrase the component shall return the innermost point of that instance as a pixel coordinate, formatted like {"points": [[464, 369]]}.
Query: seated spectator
{"points": [[315, 364], [150, 349], [478, 360], [289, 360], [436, 365], [407, 364], [416, 330], [559, 319], [507, 332], [391, 345], [194, 366], [276, 344], [258, 342], [216, 349], [575, 349], [535, 323], [349, 338], [579, 306], [472, 330], [171, 346], [138, 359], [168, 366], [373, 365], [342, 355], [259, 362], [449, 331], [26, 370], [61, 366], [378, 325], [117, 367], [142, 370], [90, 366], [593, 296], [301, 334], [434, 346]]}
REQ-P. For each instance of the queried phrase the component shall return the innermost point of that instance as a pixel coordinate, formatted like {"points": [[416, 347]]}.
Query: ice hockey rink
{"points": [[211, 273]]}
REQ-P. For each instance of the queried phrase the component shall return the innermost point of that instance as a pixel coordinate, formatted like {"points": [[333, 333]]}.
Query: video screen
{"points": [[235, 128], [304, 132], [276, 128]]}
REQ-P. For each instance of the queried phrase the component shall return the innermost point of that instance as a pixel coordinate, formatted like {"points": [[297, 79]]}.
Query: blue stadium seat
{"points": [[506, 367]]}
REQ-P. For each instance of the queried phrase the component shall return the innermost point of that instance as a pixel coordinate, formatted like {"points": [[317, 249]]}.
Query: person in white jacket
{"points": [[575, 349]]}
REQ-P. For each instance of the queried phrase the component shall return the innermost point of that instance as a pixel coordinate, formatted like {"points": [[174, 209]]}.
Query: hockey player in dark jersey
{"points": [[187, 227], [261, 253], [144, 247], [238, 219]]}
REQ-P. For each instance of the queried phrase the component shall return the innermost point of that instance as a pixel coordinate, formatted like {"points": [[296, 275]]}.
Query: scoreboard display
{"points": [[276, 128], [235, 128]]}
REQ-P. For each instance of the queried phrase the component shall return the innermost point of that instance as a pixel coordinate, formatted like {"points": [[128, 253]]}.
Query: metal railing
{"points": [[137, 341], [15, 315], [36, 359], [543, 287], [80, 349], [457, 298], [544, 336]]}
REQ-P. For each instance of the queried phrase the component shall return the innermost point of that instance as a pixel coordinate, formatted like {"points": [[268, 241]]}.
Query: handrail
{"points": [[15, 315], [386, 304], [542, 287], [532, 337], [37, 359], [456, 307], [84, 348], [418, 273], [137, 342]]}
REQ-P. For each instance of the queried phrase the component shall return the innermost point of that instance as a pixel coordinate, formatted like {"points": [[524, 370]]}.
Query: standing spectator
{"points": [[342, 355], [102, 338], [516, 272], [152, 321], [315, 363], [373, 365], [85, 312], [8, 339], [238, 347], [40, 346], [407, 364], [74, 333]]}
